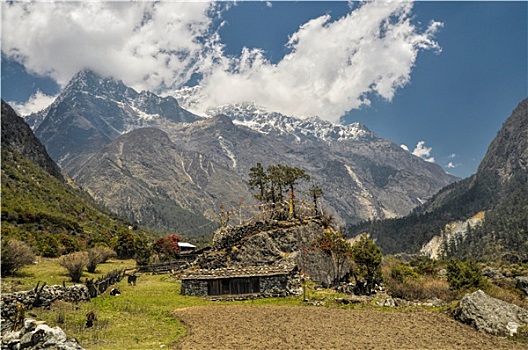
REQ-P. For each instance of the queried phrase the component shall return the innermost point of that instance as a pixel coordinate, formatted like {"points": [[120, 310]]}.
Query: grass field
{"points": [[140, 318], [153, 315]]}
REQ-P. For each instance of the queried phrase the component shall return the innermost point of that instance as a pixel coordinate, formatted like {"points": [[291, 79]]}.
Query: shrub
{"points": [[403, 281], [420, 288], [462, 276], [15, 255], [402, 272], [98, 255], [48, 245], [74, 263]]}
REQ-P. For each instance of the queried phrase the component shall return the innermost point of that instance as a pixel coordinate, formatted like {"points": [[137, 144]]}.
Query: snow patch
{"points": [[225, 146]]}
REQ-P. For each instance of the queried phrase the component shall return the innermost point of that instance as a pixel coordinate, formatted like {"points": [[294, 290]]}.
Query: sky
{"points": [[438, 78]]}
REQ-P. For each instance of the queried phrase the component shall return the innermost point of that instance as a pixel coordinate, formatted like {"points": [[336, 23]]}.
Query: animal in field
{"points": [[132, 279]]}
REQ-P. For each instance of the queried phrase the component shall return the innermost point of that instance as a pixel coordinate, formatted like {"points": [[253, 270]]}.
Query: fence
{"points": [[171, 266], [101, 284]]}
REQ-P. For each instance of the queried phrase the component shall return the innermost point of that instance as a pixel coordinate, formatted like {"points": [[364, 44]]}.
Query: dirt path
{"points": [[279, 327]]}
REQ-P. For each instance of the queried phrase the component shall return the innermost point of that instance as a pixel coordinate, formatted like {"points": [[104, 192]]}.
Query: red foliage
{"points": [[167, 247]]}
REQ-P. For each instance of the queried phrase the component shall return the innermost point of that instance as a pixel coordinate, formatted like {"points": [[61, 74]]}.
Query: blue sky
{"points": [[443, 86]]}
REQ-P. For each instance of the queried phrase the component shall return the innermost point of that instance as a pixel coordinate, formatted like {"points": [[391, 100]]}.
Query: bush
{"points": [[405, 282], [48, 245], [463, 276], [420, 288], [402, 272], [98, 255], [74, 263], [15, 255]]}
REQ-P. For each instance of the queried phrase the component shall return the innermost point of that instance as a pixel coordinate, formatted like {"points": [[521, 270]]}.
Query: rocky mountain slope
{"points": [[499, 188], [18, 137], [38, 207], [92, 111], [96, 131]]}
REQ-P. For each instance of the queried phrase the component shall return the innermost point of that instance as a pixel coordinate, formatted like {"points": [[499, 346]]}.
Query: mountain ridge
{"points": [[502, 175], [363, 175]]}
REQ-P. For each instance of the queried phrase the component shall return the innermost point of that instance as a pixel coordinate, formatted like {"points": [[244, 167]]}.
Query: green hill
{"points": [[42, 209]]}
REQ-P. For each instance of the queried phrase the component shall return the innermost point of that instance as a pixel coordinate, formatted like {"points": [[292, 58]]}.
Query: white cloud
{"points": [[269, 4], [423, 152], [452, 156], [149, 45], [405, 147], [37, 102], [332, 65], [451, 165]]}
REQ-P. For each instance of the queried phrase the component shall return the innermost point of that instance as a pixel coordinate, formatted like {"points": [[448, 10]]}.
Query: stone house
{"points": [[266, 281]]}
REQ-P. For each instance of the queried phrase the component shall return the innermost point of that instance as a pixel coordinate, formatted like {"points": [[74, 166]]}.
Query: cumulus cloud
{"points": [[451, 165], [149, 45], [423, 152], [37, 102], [332, 65], [405, 147]]}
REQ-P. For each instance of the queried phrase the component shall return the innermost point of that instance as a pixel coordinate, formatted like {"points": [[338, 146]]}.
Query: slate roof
{"points": [[252, 271]]}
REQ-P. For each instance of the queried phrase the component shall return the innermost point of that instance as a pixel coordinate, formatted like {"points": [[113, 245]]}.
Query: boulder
{"points": [[36, 335], [522, 284], [490, 315]]}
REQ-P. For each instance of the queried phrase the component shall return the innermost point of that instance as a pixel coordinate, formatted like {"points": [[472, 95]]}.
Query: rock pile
{"points": [[491, 315], [36, 335]]}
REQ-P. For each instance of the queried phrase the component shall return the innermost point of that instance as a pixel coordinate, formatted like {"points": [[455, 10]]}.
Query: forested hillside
{"points": [[499, 188]]}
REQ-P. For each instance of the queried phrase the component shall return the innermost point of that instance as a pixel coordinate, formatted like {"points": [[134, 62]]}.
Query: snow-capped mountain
{"points": [[141, 154], [259, 119], [92, 111], [264, 121]]}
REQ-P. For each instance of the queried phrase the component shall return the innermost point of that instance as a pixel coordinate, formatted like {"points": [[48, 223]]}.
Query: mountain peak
{"points": [[258, 118]]}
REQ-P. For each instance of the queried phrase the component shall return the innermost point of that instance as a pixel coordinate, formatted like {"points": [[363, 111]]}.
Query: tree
{"points": [[167, 247], [258, 179], [291, 176], [334, 245], [15, 255], [367, 258], [74, 263], [315, 192], [276, 184], [125, 244]]}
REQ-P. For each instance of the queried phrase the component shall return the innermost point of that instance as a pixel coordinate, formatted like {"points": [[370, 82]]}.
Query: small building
{"points": [[186, 247], [255, 280]]}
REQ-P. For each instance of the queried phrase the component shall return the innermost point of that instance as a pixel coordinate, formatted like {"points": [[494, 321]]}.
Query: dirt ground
{"points": [[280, 327]]}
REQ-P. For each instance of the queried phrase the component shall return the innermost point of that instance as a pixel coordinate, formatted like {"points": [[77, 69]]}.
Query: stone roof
{"points": [[252, 271]]}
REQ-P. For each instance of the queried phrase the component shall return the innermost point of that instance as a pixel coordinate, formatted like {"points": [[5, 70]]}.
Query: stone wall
{"points": [[39, 297], [194, 287], [269, 286]]}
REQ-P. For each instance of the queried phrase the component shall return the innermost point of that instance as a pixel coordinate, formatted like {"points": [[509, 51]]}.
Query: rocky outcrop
{"points": [[18, 137], [522, 284], [36, 335], [491, 315], [453, 232], [275, 243]]}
